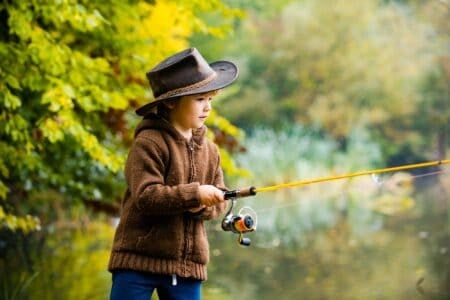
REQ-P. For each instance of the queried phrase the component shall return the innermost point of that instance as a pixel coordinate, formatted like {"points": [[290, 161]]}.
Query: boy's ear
{"points": [[170, 104]]}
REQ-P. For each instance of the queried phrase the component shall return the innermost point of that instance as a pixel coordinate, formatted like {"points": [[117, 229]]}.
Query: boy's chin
{"points": [[199, 124]]}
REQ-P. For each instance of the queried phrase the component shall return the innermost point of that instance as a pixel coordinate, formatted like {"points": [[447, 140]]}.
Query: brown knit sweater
{"points": [[156, 232]]}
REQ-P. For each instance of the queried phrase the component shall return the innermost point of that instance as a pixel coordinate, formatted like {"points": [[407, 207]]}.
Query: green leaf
{"points": [[3, 192], [12, 82], [10, 101]]}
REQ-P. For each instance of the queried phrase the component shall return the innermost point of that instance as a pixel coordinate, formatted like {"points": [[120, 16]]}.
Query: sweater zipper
{"points": [[187, 222], [191, 161]]}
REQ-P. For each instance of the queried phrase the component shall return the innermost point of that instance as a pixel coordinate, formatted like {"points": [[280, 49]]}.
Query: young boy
{"points": [[175, 183]]}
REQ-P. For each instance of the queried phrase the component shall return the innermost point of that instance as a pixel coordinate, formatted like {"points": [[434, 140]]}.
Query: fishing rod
{"points": [[244, 222]]}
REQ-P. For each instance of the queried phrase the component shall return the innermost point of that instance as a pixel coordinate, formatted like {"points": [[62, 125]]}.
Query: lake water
{"points": [[359, 239]]}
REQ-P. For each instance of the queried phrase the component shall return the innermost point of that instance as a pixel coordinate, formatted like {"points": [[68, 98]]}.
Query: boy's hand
{"points": [[210, 195]]}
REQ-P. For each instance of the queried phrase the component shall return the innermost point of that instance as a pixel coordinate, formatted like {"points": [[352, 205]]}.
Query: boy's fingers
{"points": [[218, 197], [210, 195]]}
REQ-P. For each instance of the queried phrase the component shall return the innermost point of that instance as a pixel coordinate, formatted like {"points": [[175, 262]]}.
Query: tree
{"points": [[71, 74], [434, 108], [335, 66]]}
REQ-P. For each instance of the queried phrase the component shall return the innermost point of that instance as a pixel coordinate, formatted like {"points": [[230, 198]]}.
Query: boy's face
{"points": [[191, 111]]}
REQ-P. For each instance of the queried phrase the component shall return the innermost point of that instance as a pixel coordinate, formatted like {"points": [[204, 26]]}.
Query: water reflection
{"points": [[348, 241]]}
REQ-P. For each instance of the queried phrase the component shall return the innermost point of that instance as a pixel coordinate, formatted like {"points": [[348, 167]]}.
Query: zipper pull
{"points": [[174, 279]]}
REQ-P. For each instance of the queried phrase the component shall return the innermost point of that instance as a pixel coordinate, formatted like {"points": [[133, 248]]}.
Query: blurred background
{"points": [[325, 88]]}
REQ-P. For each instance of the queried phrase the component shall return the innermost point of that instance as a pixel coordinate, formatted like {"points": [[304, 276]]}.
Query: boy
{"points": [[175, 182]]}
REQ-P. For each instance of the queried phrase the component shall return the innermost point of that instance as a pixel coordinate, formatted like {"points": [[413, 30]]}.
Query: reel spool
{"points": [[242, 222]]}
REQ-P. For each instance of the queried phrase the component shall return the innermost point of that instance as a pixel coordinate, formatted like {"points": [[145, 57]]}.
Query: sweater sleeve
{"points": [[214, 211], [144, 173]]}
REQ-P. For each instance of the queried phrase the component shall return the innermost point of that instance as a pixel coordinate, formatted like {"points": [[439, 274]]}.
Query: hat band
{"points": [[188, 88]]}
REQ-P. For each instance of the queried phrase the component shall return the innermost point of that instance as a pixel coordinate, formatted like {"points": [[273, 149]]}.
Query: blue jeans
{"points": [[133, 285]]}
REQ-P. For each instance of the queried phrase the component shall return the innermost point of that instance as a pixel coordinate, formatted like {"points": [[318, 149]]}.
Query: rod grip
{"points": [[244, 192]]}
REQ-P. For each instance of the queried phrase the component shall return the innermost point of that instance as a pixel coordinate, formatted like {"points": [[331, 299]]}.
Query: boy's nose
{"points": [[207, 106]]}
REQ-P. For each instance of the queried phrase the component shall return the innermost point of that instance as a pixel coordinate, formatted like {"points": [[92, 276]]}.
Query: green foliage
{"points": [[70, 263], [71, 73], [335, 66], [299, 152], [24, 224], [433, 115]]}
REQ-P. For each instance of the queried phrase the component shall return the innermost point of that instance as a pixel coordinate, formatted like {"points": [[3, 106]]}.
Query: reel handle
{"points": [[244, 192], [245, 241]]}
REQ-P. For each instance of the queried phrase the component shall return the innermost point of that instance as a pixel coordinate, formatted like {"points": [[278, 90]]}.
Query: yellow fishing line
{"points": [[329, 178]]}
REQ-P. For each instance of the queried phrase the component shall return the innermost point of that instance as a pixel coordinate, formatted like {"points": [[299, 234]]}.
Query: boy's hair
{"points": [[163, 110]]}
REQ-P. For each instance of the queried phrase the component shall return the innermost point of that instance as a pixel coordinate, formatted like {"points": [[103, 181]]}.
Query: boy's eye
{"points": [[204, 98]]}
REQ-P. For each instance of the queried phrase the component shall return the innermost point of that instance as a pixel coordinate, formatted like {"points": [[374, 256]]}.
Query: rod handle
{"points": [[244, 192]]}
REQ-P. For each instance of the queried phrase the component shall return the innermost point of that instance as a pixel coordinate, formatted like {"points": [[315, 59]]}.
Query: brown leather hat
{"points": [[187, 73]]}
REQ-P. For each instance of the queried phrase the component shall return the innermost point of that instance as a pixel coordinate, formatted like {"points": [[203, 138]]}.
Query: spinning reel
{"points": [[242, 222]]}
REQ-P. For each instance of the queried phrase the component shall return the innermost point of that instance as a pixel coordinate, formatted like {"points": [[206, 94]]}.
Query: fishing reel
{"points": [[242, 222]]}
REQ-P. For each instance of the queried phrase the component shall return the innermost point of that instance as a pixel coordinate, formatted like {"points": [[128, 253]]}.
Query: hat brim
{"points": [[226, 71]]}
